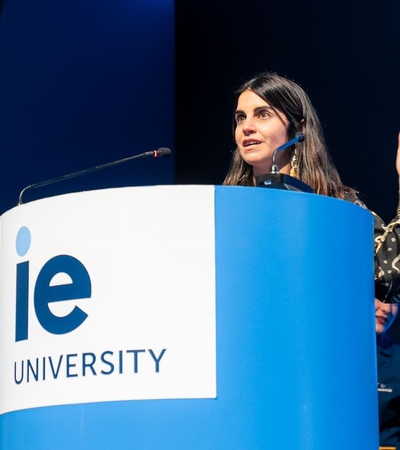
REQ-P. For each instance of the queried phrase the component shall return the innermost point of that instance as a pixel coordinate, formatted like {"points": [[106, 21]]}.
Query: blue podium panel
{"points": [[295, 340], [295, 327]]}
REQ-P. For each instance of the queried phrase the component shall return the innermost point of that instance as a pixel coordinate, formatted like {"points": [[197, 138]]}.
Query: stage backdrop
{"points": [[81, 84]]}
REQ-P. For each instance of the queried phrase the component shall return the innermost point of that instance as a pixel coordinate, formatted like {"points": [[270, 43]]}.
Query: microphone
{"points": [[277, 180], [162, 151], [298, 138]]}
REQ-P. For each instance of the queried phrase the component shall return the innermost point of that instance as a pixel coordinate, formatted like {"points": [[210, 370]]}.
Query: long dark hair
{"points": [[315, 166]]}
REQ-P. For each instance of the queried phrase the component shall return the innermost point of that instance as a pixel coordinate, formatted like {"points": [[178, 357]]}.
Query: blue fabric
{"points": [[388, 358]]}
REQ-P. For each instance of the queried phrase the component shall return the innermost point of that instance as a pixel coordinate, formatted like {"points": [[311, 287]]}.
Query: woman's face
{"points": [[385, 313], [259, 131]]}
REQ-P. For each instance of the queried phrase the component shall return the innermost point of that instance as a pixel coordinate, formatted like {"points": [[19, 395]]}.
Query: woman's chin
{"points": [[259, 166]]}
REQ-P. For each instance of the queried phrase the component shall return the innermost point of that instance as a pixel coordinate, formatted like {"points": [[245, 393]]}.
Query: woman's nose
{"points": [[248, 126], [385, 307]]}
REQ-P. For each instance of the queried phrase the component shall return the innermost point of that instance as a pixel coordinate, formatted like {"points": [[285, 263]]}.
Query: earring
{"points": [[294, 165]]}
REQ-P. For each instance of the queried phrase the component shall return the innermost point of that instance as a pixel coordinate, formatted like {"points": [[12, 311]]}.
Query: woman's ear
{"points": [[295, 127], [291, 130]]}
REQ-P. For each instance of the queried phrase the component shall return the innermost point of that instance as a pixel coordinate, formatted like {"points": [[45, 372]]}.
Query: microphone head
{"points": [[300, 137], [162, 151]]}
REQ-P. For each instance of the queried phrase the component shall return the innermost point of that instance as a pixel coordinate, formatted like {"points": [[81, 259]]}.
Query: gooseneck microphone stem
{"points": [[163, 151], [275, 179], [298, 138]]}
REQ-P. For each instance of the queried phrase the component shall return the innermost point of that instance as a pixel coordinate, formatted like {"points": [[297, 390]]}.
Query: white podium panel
{"points": [[91, 312]]}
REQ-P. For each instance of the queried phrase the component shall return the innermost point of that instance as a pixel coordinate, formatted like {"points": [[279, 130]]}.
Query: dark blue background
{"points": [[82, 84]]}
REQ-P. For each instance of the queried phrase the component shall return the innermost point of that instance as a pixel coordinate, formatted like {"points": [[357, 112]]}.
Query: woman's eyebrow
{"points": [[262, 108], [256, 110]]}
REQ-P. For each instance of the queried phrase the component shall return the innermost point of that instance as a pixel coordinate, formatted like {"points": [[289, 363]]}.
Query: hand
{"points": [[398, 159]]}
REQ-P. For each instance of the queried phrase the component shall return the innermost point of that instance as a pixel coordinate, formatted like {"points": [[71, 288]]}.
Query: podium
{"points": [[187, 317]]}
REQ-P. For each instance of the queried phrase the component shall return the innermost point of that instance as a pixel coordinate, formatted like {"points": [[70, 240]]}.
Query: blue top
{"points": [[388, 359]]}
